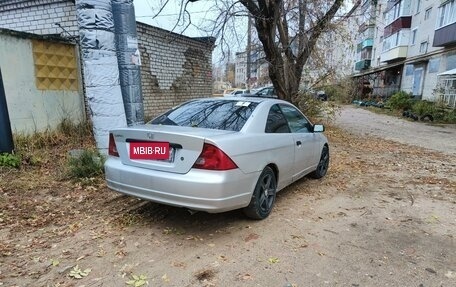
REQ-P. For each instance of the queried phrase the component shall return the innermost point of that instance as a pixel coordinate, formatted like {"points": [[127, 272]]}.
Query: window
{"points": [[447, 14], [276, 122], [296, 121], [211, 114], [427, 14], [423, 47], [434, 65], [413, 36], [451, 61], [409, 70]]}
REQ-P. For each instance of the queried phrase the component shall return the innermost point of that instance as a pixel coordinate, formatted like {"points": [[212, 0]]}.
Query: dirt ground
{"points": [[385, 215]]}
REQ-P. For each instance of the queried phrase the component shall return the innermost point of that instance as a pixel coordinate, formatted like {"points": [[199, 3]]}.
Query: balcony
{"points": [[445, 36], [396, 25], [365, 44], [391, 3], [393, 54], [362, 65], [369, 23]]}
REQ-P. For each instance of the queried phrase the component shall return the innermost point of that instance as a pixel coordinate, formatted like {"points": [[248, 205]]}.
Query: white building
{"points": [[240, 69], [413, 47], [258, 68]]}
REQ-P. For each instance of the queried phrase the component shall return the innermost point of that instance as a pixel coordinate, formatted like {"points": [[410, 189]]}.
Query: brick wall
{"points": [[39, 16], [174, 68]]}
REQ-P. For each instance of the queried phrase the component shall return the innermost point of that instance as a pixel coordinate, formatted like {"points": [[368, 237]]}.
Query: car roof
{"points": [[249, 98]]}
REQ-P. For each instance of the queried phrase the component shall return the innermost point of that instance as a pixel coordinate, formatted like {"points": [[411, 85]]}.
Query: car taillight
{"points": [[214, 158], [112, 150]]}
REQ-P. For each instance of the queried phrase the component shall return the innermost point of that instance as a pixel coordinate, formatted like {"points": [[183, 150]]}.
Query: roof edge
{"points": [[27, 35]]}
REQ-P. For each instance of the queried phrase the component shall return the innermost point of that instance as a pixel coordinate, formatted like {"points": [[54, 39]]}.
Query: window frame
{"points": [[284, 118], [447, 14], [413, 36], [308, 125], [427, 13], [426, 47]]}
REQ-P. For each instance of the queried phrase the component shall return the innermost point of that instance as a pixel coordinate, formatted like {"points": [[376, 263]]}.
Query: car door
{"points": [[278, 132], [304, 139]]}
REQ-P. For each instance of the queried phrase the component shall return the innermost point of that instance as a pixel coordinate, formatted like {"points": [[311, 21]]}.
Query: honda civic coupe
{"points": [[217, 154]]}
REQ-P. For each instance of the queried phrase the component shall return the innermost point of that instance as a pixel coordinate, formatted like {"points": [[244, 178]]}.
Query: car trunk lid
{"points": [[185, 143]]}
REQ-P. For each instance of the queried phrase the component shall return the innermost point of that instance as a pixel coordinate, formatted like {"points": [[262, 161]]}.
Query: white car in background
{"points": [[237, 93]]}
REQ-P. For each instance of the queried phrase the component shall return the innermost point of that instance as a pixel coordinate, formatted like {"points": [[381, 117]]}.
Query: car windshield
{"points": [[211, 114]]}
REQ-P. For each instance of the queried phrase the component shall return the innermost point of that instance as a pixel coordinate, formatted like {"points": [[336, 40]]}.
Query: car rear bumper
{"points": [[210, 191]]}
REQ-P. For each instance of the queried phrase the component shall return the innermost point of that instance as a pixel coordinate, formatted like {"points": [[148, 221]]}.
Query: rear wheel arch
{"points": [[263, 197], [275, 169]]}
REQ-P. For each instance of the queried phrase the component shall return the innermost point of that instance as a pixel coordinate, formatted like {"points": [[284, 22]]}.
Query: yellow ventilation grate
{"points": [[55, 66]]}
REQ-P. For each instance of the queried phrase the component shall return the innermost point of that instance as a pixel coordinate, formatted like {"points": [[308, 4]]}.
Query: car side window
{"points": [[296, 121], [276, 122]]}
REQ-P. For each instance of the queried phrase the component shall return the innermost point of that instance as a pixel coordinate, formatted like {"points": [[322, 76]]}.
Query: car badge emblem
{"points": [[150, 136]]}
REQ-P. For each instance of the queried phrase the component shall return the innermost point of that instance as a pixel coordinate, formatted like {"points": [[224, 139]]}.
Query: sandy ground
{"points": [[385, 215]]}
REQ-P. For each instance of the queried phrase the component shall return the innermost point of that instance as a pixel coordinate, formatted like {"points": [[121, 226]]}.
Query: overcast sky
{"points": [[146, 11], [202, 14]]}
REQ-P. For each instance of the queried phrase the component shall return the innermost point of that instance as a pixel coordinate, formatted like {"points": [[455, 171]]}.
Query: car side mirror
{"points": [[318, 128]]}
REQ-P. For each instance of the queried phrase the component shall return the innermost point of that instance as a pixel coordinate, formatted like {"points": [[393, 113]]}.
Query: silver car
{"points": [[217, 154]]}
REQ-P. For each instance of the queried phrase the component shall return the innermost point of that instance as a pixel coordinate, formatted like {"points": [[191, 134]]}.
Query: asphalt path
{"points": [[436, 137]]}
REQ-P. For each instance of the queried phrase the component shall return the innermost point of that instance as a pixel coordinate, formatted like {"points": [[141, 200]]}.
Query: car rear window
{"points": [[221, 115]]}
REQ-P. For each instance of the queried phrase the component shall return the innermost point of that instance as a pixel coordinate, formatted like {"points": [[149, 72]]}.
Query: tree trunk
{"points": [[271, 23]]}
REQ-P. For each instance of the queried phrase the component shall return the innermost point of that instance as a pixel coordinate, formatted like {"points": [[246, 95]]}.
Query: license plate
{"points": [[151, 151]]}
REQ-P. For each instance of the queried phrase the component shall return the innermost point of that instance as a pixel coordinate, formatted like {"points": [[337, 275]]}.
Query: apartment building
{"points": [[240, 69], [258, 68], [407, 45]]}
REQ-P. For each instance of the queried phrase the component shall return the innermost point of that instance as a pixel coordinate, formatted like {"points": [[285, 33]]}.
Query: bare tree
{"points": [[287, 29]]}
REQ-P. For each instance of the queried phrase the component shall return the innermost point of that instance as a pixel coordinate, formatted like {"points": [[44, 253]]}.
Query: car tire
{"points": [[323, 164], [263, 197]]}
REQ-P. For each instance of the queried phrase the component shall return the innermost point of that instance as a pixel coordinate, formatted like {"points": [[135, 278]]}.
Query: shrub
{"points": [[450, 116], [401, 101], [87, 164], [343, 92], [422, 108], [10, 160], [315, 108]]}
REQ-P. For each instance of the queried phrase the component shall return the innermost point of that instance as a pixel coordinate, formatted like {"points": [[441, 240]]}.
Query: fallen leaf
{"points": [[55, 262], [80, 258], [246, 276], [78, 273], [251, 236], [137, 281], [273, 260], [165, 278]]}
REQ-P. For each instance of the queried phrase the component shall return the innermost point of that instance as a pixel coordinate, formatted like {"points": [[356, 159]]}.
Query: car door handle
{"points": [[298, 143]]}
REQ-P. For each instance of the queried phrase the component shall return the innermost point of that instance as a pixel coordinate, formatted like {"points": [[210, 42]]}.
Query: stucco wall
{"points": [[32, 110], [441, 63]]}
